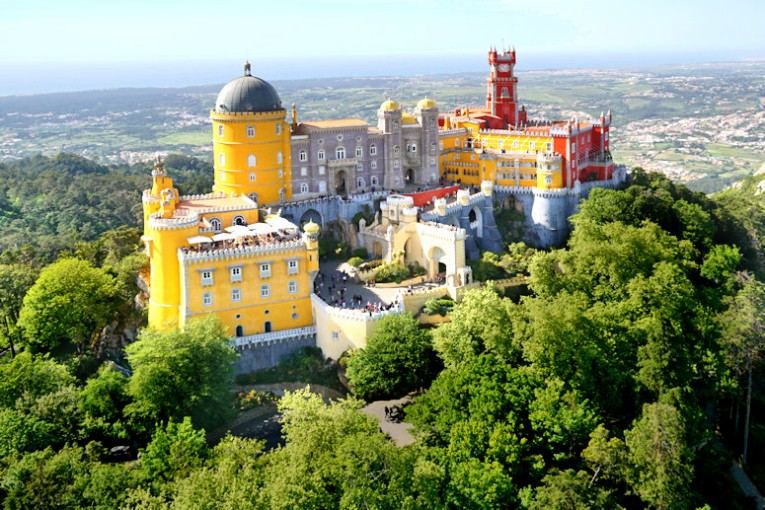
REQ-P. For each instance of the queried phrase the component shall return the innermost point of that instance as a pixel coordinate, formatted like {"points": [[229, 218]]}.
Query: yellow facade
{"points": [[251, 153], [255, 282]]}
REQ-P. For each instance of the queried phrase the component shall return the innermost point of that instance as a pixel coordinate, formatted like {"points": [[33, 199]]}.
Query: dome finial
{"points": [[247, 68]]}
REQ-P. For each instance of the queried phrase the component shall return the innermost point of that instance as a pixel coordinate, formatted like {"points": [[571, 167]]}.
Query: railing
{"points": [[276, 336]]}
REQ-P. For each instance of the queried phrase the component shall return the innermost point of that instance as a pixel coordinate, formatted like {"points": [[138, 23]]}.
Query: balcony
{"points": [[337, 163]]}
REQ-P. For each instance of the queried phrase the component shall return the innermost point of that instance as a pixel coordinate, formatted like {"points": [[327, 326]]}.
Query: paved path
{"points": [[399, 432], [747, 487]]}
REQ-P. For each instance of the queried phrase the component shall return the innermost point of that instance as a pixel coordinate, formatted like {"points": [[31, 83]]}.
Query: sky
{"points": [[48, 45]]}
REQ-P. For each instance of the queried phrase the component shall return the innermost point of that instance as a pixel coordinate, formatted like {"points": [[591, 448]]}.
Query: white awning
{"points": [[280, 222], [235, 229], [199, 240], [223, 237], [263, 229]]}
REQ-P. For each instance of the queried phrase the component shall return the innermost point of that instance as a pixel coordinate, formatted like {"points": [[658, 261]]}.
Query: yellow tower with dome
{"points": [[251, 141]]}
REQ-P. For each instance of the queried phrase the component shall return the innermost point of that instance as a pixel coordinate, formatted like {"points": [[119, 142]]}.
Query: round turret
{"points": [[389, 106], [248, 94], [311, 228], [426, 104]]}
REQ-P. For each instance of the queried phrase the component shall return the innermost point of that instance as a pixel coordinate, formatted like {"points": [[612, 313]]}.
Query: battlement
{"points": [[273, 337], [189, 256]]}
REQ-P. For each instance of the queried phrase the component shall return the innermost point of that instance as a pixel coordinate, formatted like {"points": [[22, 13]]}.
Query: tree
{"points": [[174, 451], [71, 301], [15, 282], [32, 376], [659, 463], [398, 358], [182, 373], [744, 336], [481, 322], [570, 490]]}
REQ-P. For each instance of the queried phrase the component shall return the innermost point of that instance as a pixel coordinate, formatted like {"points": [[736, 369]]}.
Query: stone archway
{"points": [[475, 216], [409, 176], [311, 215], [377, 250], [341, 187], [437, 262]]}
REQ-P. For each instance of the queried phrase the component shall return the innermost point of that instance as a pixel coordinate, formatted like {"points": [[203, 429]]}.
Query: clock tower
{"points": [[501, 91]]}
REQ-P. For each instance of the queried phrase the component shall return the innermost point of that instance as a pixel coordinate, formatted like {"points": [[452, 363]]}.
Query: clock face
{"points": [[504, 68]]}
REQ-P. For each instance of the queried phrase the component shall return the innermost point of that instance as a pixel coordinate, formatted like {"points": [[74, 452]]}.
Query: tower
{"points": [[501, 91], [427, 116], [251, 141], [389, 123]]}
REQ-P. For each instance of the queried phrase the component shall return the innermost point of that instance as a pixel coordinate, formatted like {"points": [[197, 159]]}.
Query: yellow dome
{"points": [[311, 228], [389, 106], [426, 104], [407, 118]]}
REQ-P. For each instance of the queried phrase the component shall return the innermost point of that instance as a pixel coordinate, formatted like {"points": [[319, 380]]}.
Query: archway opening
{"points": [[409, 177], [239, 331], [472, 216], [340, 187], [311, 215], [267, 326]]}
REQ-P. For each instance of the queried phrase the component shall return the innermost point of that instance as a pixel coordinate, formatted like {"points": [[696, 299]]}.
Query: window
{"points": [[251, 160], [236, 294], [303, 156], [516, 144], [321, 155], [373, 150], [216, 224], [532, 145], [294, 316], [304, 188], [374, 180], [222, 159], [292, 287], [360, 182], [548, 179], [340, 153], [279, 157], [396, 150], [281, 173], [265, 290], [252, 176], [279, 128], [395, 124], [303, 171], [265, 270], [322, 169], [253, 196], [239, 220], [359, 151], [267, 326], [373, 165], [505, 93], [207, 299], [432, 148], [573, 148], [441, 145], [549, 147], [292, 267], [340, 138], [432, 161], [359, 167], [456, 142], [250, 131], [335, 335], [236, 274], [395, 164], [220, 129], [207, 278], [414, 147]]}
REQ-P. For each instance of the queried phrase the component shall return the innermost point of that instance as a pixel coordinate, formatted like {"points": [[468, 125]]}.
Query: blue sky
{"points": [[293, 34]]}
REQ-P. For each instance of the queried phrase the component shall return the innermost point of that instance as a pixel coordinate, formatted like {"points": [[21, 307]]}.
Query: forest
{"points": [[630, 375]]}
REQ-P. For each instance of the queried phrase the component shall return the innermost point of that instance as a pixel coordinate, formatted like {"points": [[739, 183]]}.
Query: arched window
{"points": [[304, 188], [252, 177], [216, 224], [373, 150], [265, 290], [360, 182], [250, 131], [279, 128], [239, 331], [253, 197], [292, 287], [505, 93], [282, 194], [340, 153], [396, 150], [236, 294], [414, 147], [267, 326], [374, 180], [207, 299], [373, 165], [279, 157], [239, 220], [359, 151], [220, 129], [251, 160], [303, 156], [322, 155], [222, 159]]}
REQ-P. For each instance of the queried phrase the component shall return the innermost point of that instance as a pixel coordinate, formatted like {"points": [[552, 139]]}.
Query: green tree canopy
{"points": [[398, 358], [71, 301], [182, 373]]}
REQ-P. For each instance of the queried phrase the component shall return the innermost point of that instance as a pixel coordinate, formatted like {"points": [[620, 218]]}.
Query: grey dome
{"points": [[247, 94]]}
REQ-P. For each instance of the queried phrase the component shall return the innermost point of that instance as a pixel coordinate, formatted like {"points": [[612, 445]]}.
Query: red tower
{"points": [[502, 94]]}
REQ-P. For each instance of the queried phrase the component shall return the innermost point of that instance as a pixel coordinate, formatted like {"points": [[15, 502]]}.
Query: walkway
{"points": [[399, 432]]}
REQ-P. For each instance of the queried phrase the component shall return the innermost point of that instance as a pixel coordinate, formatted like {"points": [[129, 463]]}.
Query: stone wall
{"points": [[258, 356]]}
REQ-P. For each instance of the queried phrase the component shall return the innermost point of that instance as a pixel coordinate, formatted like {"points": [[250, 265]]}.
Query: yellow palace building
{"points": [[219, 253]]}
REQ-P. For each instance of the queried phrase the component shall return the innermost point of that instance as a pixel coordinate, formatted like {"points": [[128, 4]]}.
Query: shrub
{"points": [[393, 272], [440, 306], [355, 261], [416, 269], [361, 253]]}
